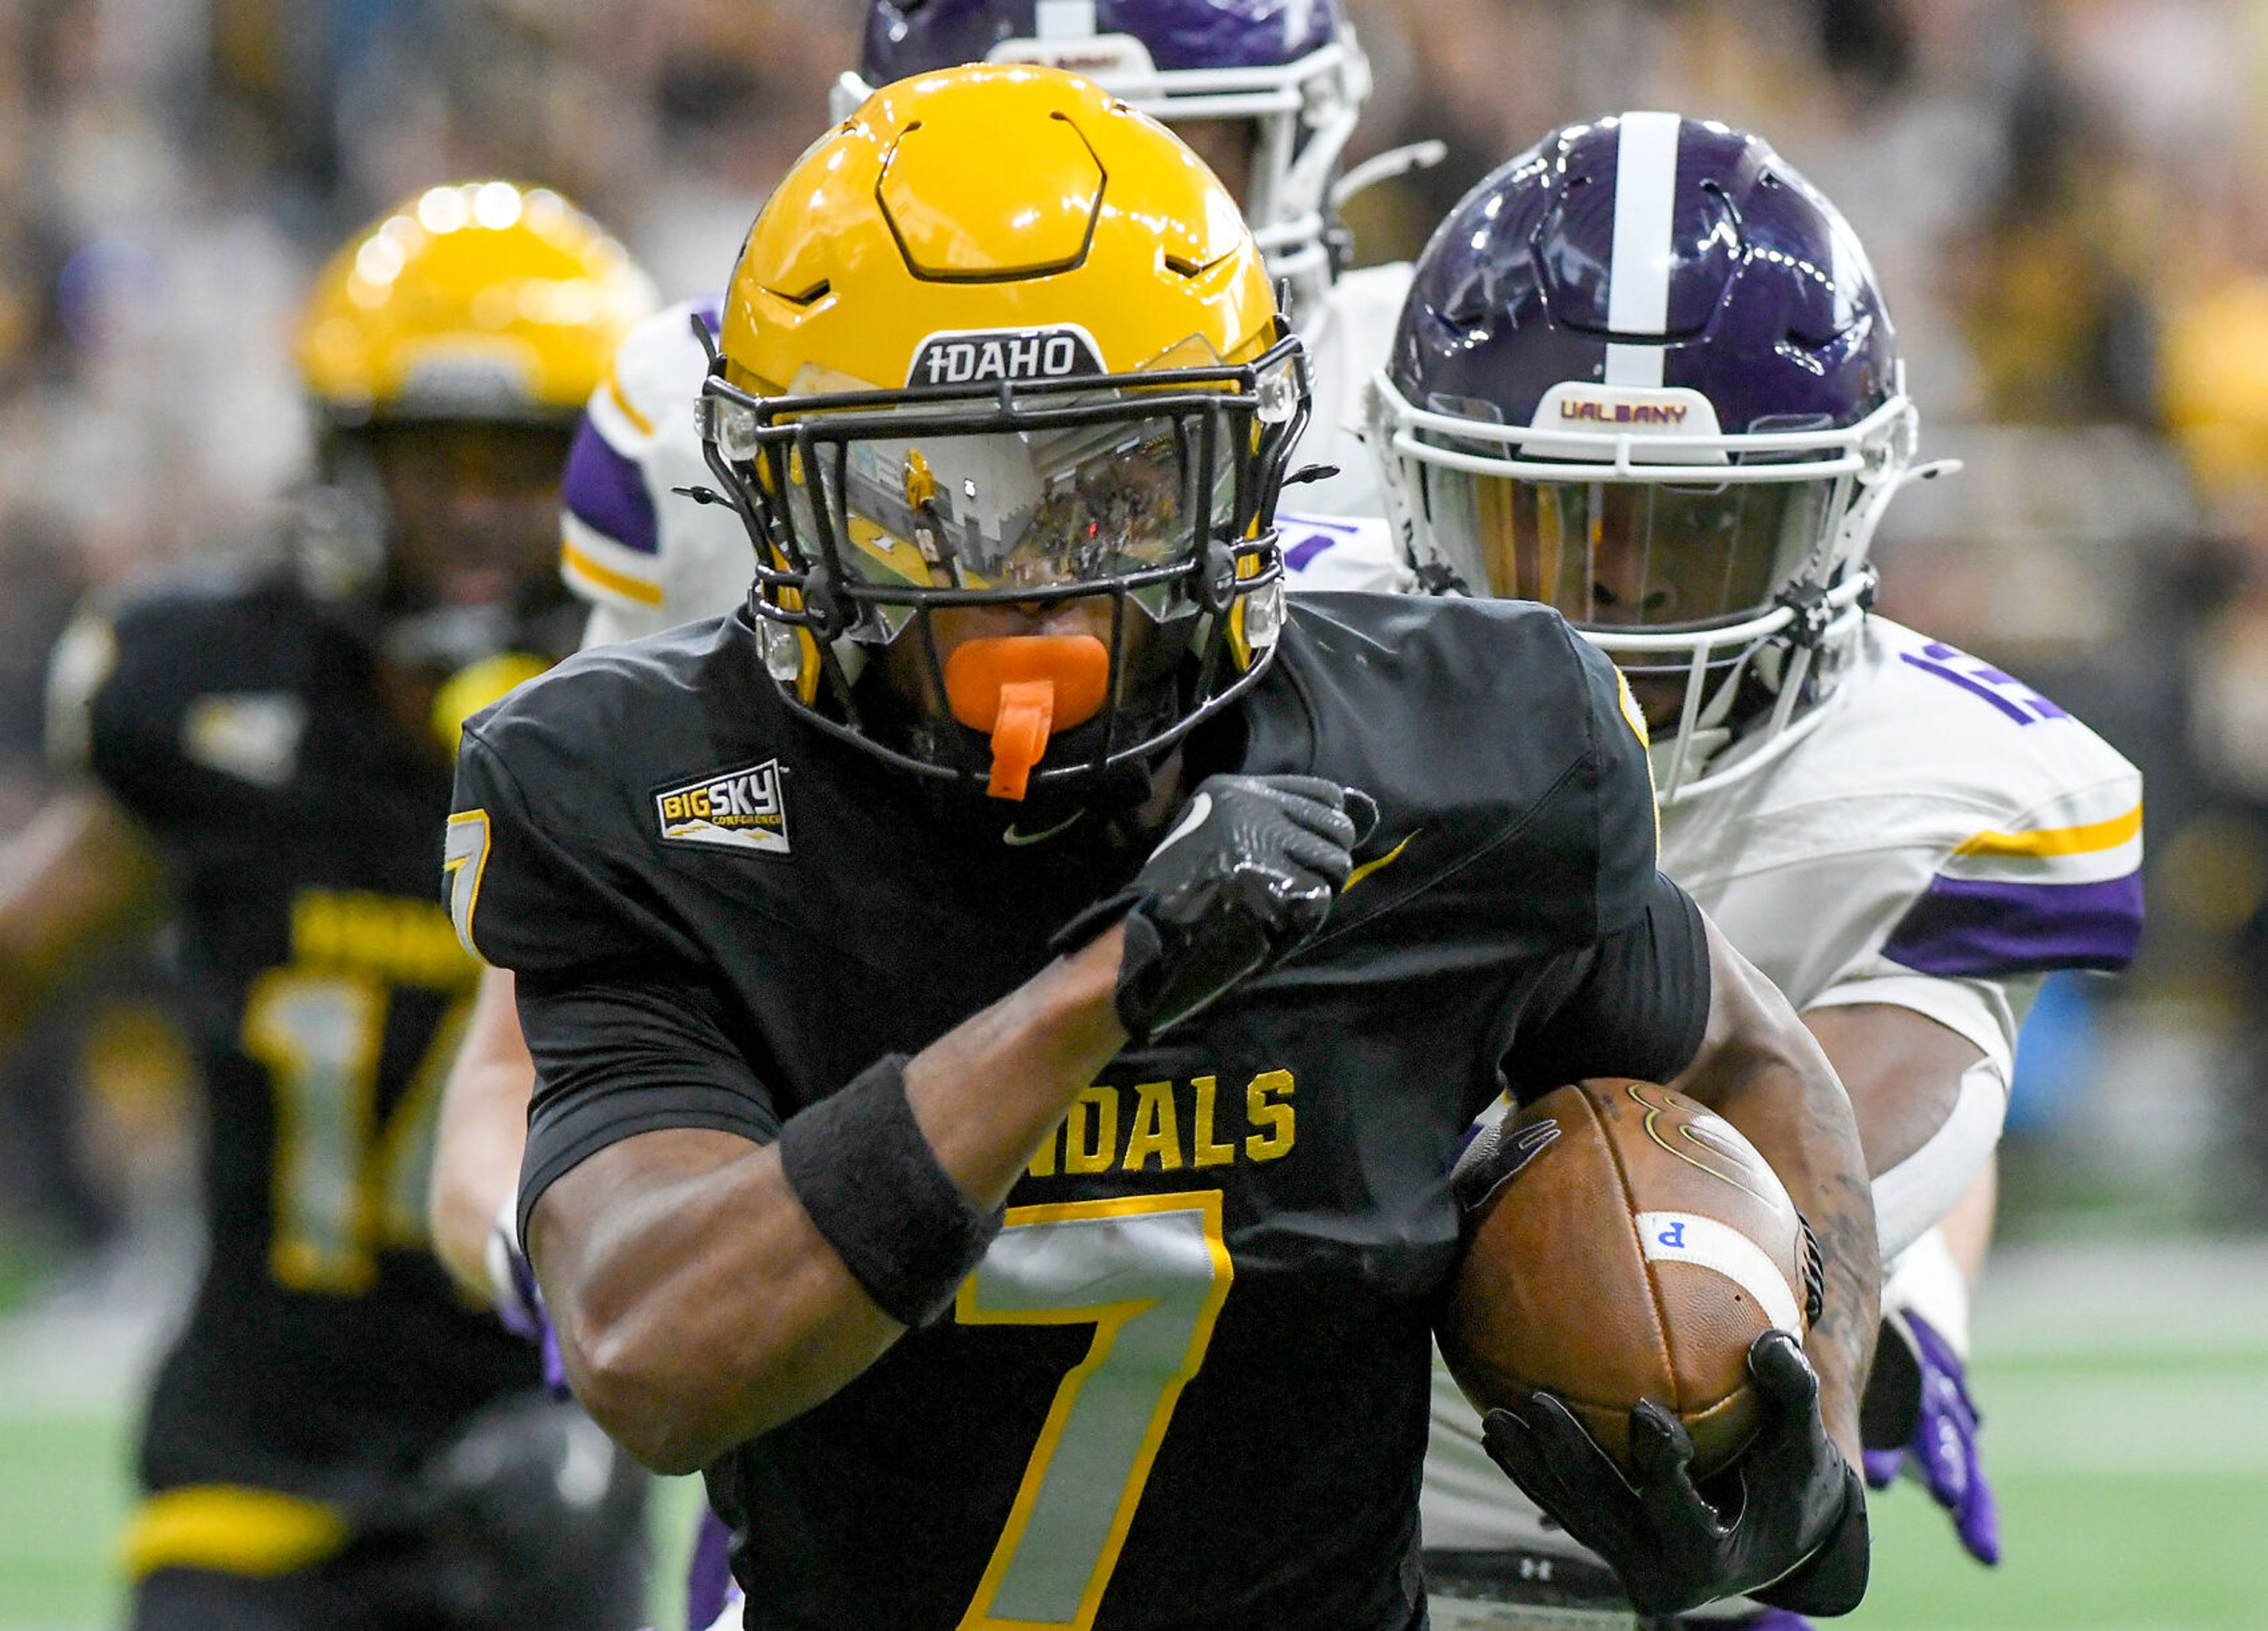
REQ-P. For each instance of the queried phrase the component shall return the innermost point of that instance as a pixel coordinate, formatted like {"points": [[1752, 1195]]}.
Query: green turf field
{"points": [[2130, 1452], [2130, 1489]]}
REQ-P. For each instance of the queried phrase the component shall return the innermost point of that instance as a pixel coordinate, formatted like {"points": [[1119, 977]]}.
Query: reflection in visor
{"points": [[1033, 509], [1629, 554]]}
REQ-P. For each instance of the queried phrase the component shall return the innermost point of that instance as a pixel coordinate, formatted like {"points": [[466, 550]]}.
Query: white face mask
{"points": [[1692, 555]]}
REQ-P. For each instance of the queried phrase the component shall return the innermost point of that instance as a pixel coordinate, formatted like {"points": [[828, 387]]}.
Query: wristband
{"points": [[859, 1164]]}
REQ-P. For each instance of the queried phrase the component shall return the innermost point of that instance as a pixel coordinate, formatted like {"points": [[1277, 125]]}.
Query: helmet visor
{"points": [[1037, 509], [1622, 554], [1108, 487]]}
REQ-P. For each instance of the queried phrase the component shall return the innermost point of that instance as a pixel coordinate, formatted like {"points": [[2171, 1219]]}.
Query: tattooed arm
{"points": [[1762, 1070], [1793, 1532]]}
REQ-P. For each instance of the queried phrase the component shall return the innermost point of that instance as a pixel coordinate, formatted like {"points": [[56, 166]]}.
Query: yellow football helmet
{"points": [[999, 339], [447, 351], [2213, 391], [480, 301]]}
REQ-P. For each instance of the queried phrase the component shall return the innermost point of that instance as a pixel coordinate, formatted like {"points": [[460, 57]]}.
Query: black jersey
{"points": [[326, 1346], [1187, 1386]]}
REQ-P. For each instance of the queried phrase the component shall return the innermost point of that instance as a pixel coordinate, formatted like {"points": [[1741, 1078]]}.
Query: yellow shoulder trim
{"points": [[2087, 840], [579, 563], [1631, 712], [231, 1529], [621, 399]]}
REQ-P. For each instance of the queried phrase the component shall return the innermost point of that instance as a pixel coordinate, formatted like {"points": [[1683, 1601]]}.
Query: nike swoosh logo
{"points": [[1380, 864], [1016, 840]]}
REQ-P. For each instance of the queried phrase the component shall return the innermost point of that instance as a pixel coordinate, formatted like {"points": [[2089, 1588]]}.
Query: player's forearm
{"points": [[1764, 1073], [1929, 1107], [482, 1133], [990, 1090], [79, 881], [1901, 1070], [698, 1305]]}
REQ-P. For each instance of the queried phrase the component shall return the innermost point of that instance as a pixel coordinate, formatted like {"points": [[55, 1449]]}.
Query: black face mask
{"points": [[873, 510]]}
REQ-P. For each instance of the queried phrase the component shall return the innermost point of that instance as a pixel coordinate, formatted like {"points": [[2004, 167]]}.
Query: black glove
{"points": [[1248, 873], [1785, 1525]]}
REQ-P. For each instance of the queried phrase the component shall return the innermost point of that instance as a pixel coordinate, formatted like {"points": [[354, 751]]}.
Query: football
{"points": [[1623, 1243]]}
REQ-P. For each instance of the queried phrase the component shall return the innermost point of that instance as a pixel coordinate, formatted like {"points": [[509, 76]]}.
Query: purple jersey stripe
{"points": [[1297, 556], [1973, 687], [606, 492], [1988, 930]]}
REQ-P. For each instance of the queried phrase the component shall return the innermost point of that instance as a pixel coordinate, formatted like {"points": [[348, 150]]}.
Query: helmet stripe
{"points": [[1064, 20], [1637, 277]]}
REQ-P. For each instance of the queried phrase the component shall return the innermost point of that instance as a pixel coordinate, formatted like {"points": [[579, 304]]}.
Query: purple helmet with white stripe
{"points": [[1293, 67], [1645, 374]]}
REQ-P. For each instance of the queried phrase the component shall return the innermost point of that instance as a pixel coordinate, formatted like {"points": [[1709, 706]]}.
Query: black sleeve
{"points": [[1636, 1004], [530, 894], [617, 1057], [117, 685], [1625, 827]]}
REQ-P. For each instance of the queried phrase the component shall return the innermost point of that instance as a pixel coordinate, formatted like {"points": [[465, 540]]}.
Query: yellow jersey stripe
{"points": [[1369, 866], [614, 394], [231, 1529], [580, 564], [2090, 839]]}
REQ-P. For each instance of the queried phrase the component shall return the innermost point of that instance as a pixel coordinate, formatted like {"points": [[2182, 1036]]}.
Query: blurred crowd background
{"points": [[2068, 201]]}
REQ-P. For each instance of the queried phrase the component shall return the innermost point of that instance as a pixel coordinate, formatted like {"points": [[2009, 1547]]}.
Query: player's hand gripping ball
{"points": [[1622, 1244], [1628, 1319], [1246, 873]]}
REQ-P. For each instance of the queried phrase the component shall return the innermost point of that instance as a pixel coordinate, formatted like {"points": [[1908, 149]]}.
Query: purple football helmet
{"points": [[1290, 66], [1645, 374]]}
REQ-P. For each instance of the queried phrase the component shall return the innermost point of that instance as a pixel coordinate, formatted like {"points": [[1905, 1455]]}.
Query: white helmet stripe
{"points": [[1637, 275], [1064, 20]]}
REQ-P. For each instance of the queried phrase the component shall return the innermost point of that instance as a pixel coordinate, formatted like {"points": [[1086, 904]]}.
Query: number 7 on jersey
{"points": [[1150, 1273]]}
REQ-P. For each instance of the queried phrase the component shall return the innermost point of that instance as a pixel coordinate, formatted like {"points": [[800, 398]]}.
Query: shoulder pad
{"points": [[1339, 552], [1484, 729], [656, 375], [1944, 816]]}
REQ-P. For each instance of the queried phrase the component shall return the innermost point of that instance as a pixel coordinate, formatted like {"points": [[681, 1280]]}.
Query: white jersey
{"points": [[646, 558], [1347, 342], [1339, 552], [1943, 839]]}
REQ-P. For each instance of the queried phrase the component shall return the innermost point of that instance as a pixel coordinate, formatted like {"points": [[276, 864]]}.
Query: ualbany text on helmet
{"points": [[1623, 413]]}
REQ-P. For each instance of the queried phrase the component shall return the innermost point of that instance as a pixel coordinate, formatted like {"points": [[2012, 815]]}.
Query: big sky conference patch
{"points": [[742, 809]]}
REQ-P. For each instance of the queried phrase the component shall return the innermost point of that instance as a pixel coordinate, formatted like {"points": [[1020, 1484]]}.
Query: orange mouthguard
{"points": [[1022, 688]]}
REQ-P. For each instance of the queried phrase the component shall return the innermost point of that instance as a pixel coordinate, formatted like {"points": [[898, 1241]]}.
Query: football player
{"points": [[335, 1440], [1645, 376], [1005, 846], [1268, 93]]}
